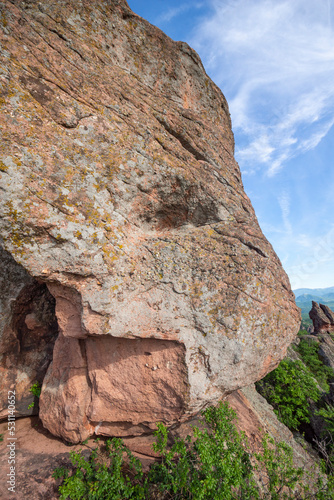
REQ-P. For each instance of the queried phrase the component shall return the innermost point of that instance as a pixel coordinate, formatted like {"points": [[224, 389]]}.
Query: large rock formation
{"points": [[120, 193], [322, 318], [323, 325]]}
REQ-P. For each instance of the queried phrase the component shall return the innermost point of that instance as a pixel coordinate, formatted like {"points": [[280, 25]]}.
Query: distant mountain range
{"points": [[316, 292], [304, 297]]}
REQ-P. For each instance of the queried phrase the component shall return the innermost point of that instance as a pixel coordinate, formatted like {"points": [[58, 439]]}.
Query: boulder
{"points": [[121, 197]]}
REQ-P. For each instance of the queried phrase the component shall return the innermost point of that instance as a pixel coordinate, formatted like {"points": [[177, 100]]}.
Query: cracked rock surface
{"points": [[120, 195]]}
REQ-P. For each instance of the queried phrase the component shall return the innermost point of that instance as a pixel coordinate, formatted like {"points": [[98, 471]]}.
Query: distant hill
{"points": [[304, 297], [320, 292]]}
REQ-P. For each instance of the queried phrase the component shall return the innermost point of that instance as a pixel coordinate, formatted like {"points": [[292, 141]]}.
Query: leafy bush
{"points": [[279, 476], [309, 352], [302, 332], [92, 480], [289, 390], [325, 446], [327, 413], [212, 464], [215, 465]]}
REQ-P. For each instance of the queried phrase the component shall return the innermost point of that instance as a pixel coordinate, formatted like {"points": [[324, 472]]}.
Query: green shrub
{"points": [[215, 465], [309, 352], [279, 476], [302, 332], [92, 480], [289, 390], [326, 444], [327, 413]]}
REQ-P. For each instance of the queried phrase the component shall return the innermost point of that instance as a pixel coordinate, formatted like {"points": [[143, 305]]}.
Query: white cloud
{"points": [[316, 266], [274, 60], [259, 148], [313, 140]]}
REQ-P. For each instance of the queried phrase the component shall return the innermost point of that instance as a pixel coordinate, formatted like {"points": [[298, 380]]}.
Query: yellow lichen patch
{"points": [[3, 167], [3, 18], [211, 232], [95, 239], [17, 236], [109, 254], [78, 235]]}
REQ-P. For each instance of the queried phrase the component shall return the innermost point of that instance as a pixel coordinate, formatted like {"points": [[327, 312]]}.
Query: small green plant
{"points": [[289, 389], [1, 438], [35, 389]]}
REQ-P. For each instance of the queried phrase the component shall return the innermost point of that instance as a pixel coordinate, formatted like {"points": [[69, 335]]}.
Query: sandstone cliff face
{"points": [[121, 195]]}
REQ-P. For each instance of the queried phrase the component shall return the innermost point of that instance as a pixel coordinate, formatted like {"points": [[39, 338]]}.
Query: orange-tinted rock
{"points": [[113, 386], [121, 193], [135, 382], [64, 405]]}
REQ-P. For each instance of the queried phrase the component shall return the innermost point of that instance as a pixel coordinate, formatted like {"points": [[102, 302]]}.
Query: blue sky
{"points": [[274, 61]]}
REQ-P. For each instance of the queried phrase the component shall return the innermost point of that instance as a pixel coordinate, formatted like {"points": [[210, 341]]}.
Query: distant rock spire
{"points": [[322, 317]]}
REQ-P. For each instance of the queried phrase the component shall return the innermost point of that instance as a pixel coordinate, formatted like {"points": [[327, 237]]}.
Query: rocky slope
{"points": [[38, 453], [124, 218]]}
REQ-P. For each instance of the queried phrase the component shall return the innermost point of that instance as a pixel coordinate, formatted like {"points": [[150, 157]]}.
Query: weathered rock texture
{"points": [[120, 192], [322, 317]]}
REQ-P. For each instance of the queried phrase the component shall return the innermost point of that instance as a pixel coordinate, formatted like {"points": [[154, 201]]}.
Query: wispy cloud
{"points": [[274, 60], [172, 12], [284, 203]]}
